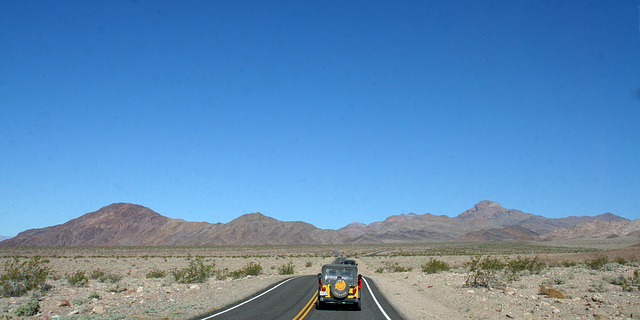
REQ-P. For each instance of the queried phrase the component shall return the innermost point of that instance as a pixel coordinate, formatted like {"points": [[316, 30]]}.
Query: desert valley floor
{"points": [[137, 282]]}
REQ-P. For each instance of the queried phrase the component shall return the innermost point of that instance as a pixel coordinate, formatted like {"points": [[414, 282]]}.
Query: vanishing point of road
{"points": [[295, 298]]}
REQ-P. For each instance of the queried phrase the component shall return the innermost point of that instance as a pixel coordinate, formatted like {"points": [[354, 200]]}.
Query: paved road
{"points": [[295, 299]]}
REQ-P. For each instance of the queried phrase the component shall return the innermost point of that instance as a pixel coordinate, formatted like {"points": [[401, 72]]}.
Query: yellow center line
{"points": [[307, 307]]}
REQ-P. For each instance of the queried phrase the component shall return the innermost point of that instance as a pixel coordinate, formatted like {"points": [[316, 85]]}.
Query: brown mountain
{"points": [[492, 211], [256, 228], [486, 221], [490, 214], [125, 224], [501, 234], [406, 228], [597, 229]]}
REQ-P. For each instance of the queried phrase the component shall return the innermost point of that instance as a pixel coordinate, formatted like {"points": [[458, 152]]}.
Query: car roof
{"points": [[343, 260], [339, 265]]}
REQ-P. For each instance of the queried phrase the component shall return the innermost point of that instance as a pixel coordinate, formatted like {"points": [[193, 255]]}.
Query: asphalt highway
{"points": [[294, 299]]}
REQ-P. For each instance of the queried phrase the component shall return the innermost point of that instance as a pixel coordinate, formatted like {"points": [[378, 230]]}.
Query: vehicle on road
{"points": [[339, 284], [344, 261]]}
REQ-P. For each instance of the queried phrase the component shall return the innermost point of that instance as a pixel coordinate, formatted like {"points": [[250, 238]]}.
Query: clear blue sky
{"points": [[328, 112]]}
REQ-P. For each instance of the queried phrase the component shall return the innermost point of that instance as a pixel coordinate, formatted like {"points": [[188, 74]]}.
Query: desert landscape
{"points": [[585, 279], [125, 261]]}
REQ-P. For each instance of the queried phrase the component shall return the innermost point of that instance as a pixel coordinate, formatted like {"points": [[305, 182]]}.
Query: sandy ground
{"points": [[415, 294], [418, 295]]}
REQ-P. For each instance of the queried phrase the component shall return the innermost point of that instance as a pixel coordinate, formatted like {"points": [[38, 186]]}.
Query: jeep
{"points": [[339, 284]]}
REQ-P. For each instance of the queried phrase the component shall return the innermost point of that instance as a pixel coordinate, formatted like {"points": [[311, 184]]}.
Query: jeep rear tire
{"points": [[340, 289]]}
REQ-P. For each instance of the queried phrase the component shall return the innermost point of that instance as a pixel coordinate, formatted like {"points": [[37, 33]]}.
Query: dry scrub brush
{"points": [[19, 278], [492, 272], [435, 266]]}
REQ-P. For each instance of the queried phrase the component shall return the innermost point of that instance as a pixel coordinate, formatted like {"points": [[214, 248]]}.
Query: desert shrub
{"points": [[611, 266], [103, 276], [551, 292], [156, 273], [568, 263], [233, 274], [484, 272], [111, 278], [96, 274], [252, 269], [533, 265], [395, 267], [196, 272], [379, 270], [621, 261], [615, 280], [77, 279], [20, 277], [597, 263], [27, 309], [561, 278], [117, 287], [634, 280], [286, 269], [309, 264], [94, 295], [627, 283], [224, 273], [435, 266], [598, 286]]}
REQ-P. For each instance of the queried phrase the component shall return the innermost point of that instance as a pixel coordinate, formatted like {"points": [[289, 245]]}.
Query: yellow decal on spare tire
{"points": [[340, 290]]}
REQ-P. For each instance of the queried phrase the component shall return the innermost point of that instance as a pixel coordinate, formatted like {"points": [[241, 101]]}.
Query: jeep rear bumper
{"points": [[339, 301]]}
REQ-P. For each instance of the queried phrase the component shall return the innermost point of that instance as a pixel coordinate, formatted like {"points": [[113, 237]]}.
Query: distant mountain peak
{"points": [[128, 212], [608, 216], [356, 225], [488, 204], [491, 214], [402, 217], [253, 218], [484, 209]]}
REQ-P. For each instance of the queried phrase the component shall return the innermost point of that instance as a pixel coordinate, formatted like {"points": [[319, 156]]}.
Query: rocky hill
{"points": [[125, 224], [597, 229], [407, 227], [500, 234], [486, 221]]}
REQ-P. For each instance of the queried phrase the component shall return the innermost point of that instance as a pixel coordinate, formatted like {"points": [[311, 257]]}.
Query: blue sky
{"points": [[328, 112]]}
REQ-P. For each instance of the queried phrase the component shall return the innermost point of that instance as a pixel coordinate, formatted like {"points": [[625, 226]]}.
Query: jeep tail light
{"points": [[360, 282], [323, 289]]}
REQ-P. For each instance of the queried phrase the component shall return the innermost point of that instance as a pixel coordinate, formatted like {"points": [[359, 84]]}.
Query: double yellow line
{"points": [[307, 308]]}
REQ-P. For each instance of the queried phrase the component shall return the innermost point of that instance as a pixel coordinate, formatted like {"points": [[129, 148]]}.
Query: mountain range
{"points": [[125, 224]]}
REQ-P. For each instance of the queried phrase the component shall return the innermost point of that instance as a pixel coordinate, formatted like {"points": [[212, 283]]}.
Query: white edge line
{"points": [[256, 297], [376, 300]]}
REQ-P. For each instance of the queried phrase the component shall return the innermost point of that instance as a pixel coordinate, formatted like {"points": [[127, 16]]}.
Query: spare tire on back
{"points": [[340, 289]]}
